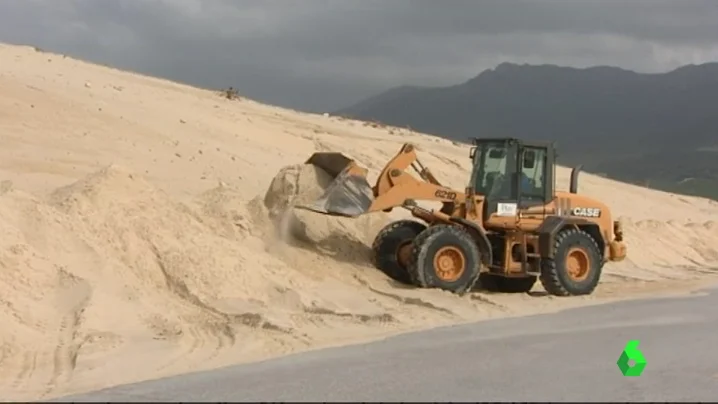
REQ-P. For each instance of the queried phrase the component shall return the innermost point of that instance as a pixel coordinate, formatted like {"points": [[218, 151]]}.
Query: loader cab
{"points": [[512, 174]]}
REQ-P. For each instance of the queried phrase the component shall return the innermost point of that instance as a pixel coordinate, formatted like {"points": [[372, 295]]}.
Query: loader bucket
{"points": [[348, 194]]}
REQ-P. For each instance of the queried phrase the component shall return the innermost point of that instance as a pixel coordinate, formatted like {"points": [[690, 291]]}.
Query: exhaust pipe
{"points": [[573, 187]]}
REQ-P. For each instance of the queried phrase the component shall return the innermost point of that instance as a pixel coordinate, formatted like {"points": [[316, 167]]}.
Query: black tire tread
{"points": [[395, 273], [418, 276], [550, 273]]}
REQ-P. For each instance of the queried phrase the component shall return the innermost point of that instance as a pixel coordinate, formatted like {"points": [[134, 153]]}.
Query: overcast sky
{"points": [[326, 54]]}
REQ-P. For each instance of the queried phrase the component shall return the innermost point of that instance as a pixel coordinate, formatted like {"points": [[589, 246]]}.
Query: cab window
{"points": [[494, 170], [532, 175]]}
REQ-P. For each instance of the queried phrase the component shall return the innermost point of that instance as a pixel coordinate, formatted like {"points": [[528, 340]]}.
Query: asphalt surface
{"points": [[567, 356]]}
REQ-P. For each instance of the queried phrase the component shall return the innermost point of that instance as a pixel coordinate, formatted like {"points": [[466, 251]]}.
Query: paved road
{"points": [[558, 357]]}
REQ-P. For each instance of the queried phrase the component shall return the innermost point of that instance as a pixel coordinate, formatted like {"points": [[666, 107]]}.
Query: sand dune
{"points": [[136, 241]]}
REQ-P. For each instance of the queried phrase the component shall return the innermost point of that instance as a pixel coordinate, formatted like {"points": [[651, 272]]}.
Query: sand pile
{"points": [[164, 253], [110, 271], [110, 261], [305, 183]]}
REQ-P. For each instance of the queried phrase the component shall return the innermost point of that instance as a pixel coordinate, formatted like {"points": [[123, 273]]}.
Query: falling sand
{"points": [[145, 233]]}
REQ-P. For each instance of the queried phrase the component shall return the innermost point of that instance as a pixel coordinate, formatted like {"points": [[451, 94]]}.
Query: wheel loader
{"points": [[508, 228]]}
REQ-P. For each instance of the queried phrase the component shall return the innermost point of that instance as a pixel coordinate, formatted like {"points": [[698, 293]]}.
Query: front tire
{"points": [[445, 257], [392, 246], [576, 266]]}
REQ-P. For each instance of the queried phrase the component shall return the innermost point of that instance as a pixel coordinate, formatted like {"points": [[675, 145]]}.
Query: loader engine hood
{"points": [[578, 205]]}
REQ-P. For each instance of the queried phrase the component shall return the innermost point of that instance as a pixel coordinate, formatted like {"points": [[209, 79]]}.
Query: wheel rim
{"points": [[577, 264], [449, 263], [403, 253]]}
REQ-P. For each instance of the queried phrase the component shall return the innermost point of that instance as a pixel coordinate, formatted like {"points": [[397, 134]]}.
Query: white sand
{"points": [[136, 243]]}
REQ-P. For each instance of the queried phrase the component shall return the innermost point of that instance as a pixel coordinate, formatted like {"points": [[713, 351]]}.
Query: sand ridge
{"points": [[138, 241]]}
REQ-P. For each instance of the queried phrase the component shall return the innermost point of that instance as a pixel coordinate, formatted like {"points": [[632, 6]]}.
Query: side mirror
{"points": [[529, 159], [472, 152]]}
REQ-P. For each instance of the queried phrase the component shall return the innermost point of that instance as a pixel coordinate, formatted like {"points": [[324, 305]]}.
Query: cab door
{"points": [[501, 198], [535, 191]]}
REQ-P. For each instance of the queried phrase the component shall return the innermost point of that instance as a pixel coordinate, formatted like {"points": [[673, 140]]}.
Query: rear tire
{"points": [[576, 266], [502, 284], [387, 244], [445, 257]]}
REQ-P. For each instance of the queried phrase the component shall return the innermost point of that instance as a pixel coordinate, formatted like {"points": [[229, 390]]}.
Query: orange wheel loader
{"points": [[508, 228]]}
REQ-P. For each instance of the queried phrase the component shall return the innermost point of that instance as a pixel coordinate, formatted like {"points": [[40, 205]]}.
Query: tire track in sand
{"points": [[27, 369], [209, 329], [74, 296]]}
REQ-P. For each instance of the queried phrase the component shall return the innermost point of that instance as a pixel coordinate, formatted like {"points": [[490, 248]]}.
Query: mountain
{"points": [[658, 130]]}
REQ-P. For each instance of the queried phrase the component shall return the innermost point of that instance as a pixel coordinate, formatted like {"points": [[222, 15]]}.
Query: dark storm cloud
{"points": [[320, 54]]}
